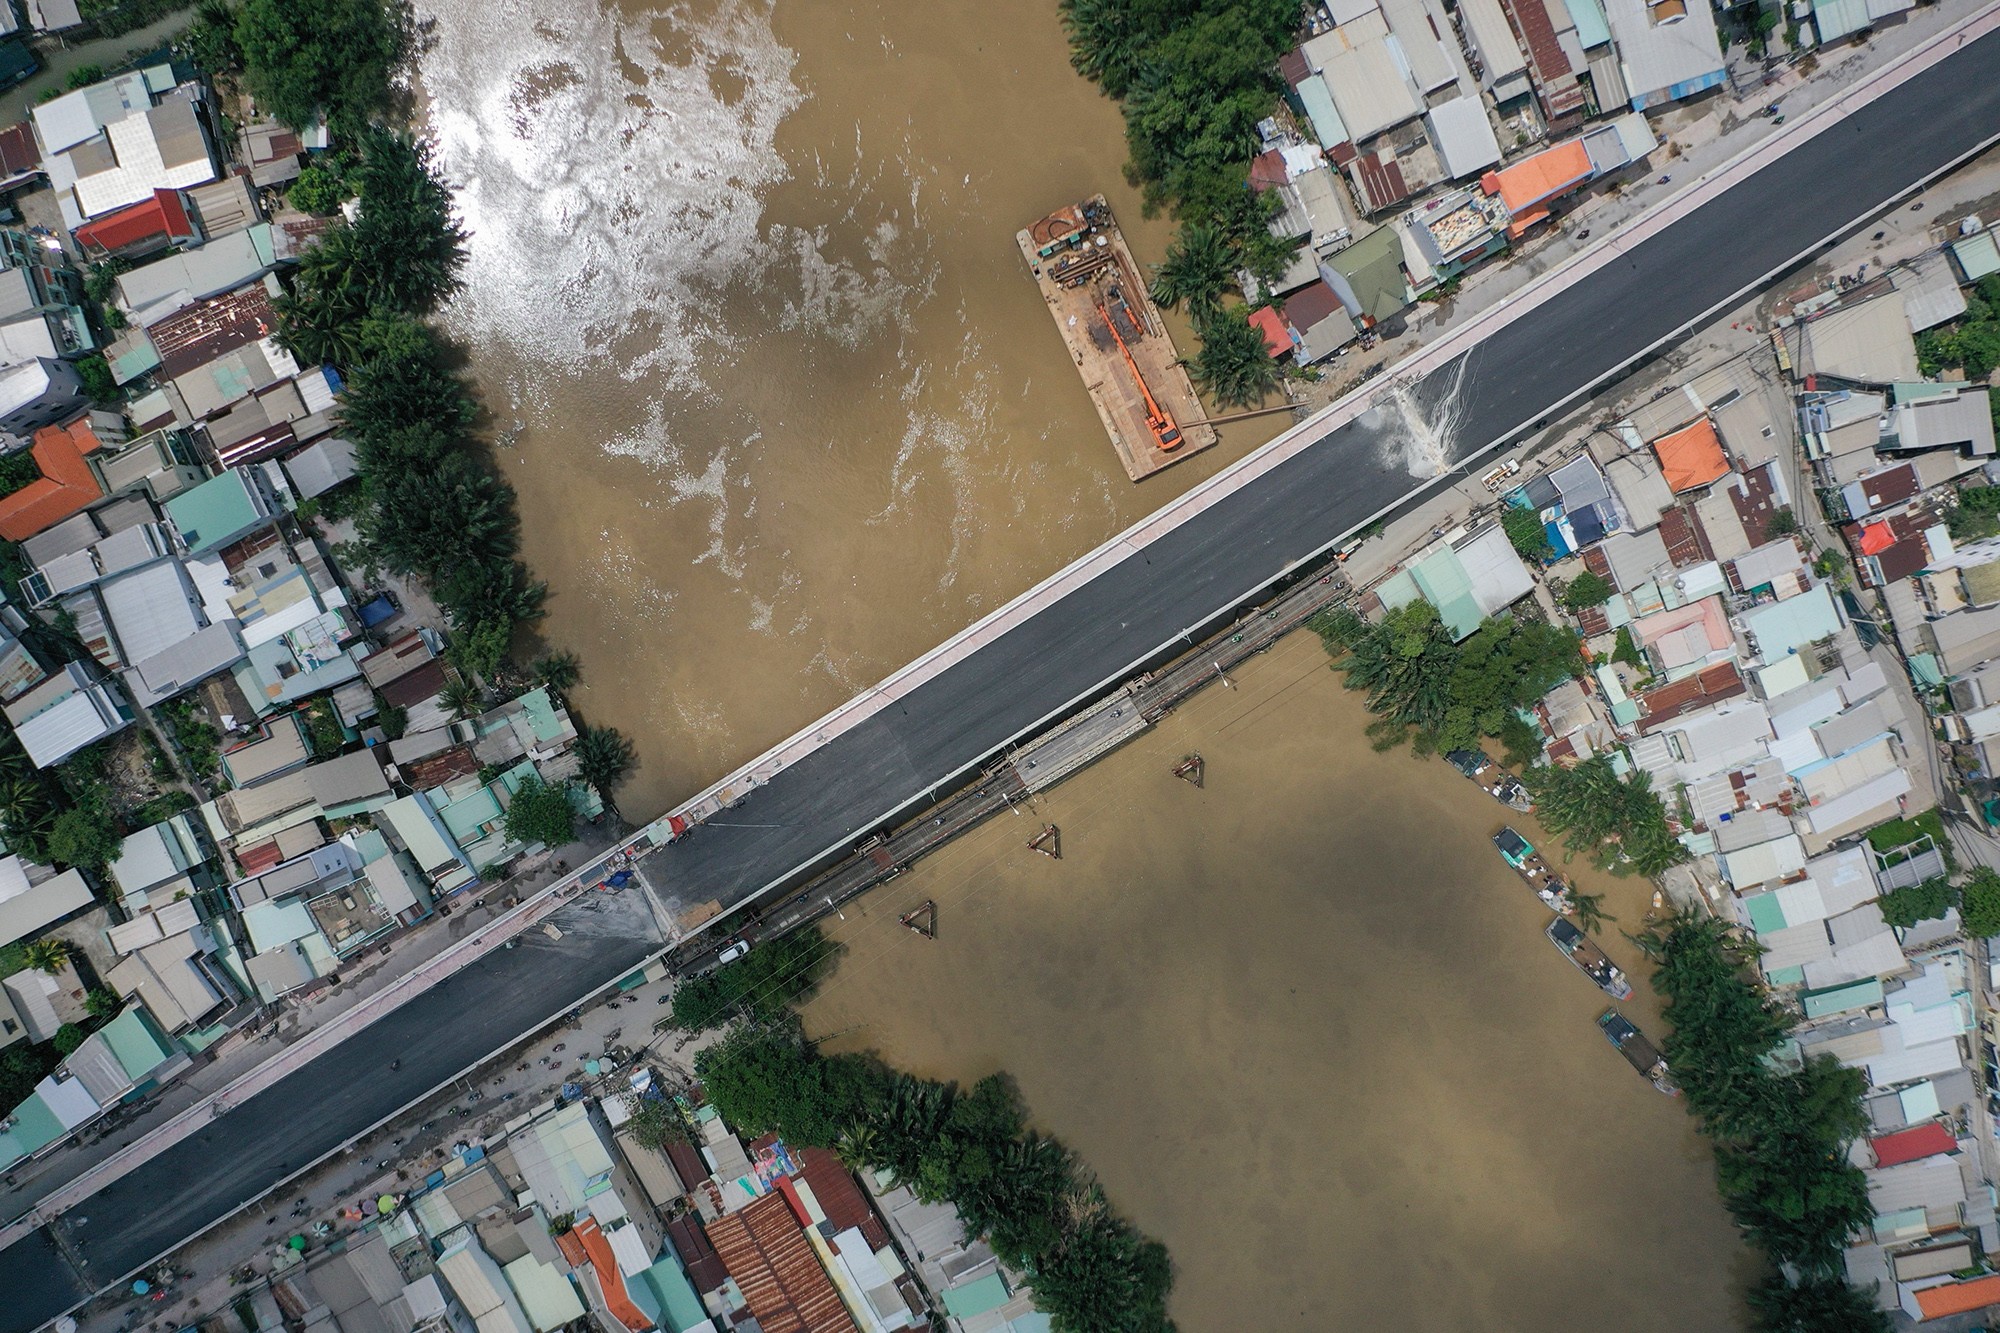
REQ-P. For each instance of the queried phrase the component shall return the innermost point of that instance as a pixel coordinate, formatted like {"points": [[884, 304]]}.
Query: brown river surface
{"points": [[786, 411]]}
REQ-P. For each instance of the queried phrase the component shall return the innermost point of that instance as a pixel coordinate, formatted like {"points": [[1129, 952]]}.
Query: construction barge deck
{"points": [[1115, 335]]}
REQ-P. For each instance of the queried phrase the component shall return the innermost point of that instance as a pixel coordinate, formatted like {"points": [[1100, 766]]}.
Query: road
{"points": [[313, 1112], [1183, 581], [1187, 579]]}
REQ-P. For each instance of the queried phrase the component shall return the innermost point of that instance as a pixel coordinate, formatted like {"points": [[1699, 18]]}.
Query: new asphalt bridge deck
{"points": [[1184, 580]]}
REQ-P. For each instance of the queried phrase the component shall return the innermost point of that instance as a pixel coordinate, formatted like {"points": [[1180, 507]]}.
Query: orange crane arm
{"points": [[1164, 430]]}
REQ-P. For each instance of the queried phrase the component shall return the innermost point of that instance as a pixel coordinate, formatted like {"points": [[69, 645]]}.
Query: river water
{"points": [[784, 411], [790, 409], [1304, 1025]]}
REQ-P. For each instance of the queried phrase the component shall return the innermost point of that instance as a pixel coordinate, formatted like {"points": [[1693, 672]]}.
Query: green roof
{"points": [[1765, 912], [1448, 587], [1924, 667], [1786, 976], [989, 1293], [137, 1043], [1592, 29], [35, 1128], [465, 820], [215, 513], [541, 714], [1840, 999], [679, 1307], [1373, 267]]}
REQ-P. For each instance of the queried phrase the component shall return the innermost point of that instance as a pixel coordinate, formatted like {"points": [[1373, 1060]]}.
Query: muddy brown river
{"points": [[784, 411]]}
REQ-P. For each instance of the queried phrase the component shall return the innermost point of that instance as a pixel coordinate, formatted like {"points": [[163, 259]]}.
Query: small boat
{"points": [[1496, 782], [1550, 887], [1589, 959], [1638, 1052]]}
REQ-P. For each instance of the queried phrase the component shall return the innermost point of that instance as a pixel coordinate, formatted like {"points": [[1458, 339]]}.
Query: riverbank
{"points": [[1305, 1011]]}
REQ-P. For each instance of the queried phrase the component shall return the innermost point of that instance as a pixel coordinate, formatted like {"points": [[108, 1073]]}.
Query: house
{"points": [[1924, 416], [37, 393], [54, 15], [41, 301], [1315, 324], [1466, 575], [68, 711], [137, 230], [1540, 27], [1837, 19], [764, 1247], [1669, 49], [221, 265], [1489, 36], [1455, 232], [416, 826], [33, 898], [219, 511], [159, 464], [325, 464], [1463, 135], [1368, 277], [1528, 187], [113, 144], [67, 485], [1692, 458]]}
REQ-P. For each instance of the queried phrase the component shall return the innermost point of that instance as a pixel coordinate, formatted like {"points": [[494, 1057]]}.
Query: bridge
{"points": [[1113, 613]]}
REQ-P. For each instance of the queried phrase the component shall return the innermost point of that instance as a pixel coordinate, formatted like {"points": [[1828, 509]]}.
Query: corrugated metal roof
{"points": [[772, 1263]]}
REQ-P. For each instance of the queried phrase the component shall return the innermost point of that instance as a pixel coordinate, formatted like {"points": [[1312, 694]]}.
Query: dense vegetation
{"points": [[541, 813], [429, 504], [1193, 78], [1621, 823], [762, 984], [1971, 342], [1976, 515], [1037, 1207], [1781, 1135], [1447, 695], [1928, 901], [1524, 529]]}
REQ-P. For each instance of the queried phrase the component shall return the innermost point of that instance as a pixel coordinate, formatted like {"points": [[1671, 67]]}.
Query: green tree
{"points": [[210, 41], [764, 983], [657, 1123], [1625, 650], [1524, 529], [1233, 366], [604, 759], [1195, 272], [1585, 591], [1815, 1303], [558, 672], [303, 58], [1782, 522], [540, 813], [1619, 822], [1927, 901], [22, 1066], [762, 1078], [318, 189], [463, 698], [1979, 903], [48, 954], [97, 379], [1405, 664], [68, 1037], [102, 1004], [85, 837]]}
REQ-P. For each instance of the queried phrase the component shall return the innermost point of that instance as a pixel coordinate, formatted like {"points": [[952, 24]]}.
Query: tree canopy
{"points": [[969, 1147], [1621, 823], [306, 58], [1447, 694], [541, 813], [763, 983], [1979, 903]]}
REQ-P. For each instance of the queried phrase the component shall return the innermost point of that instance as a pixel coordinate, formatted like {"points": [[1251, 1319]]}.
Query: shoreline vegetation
{"points": [[1193, 80], [1040, 1209], [1780, 1132], [432, 506], [428, 503]]}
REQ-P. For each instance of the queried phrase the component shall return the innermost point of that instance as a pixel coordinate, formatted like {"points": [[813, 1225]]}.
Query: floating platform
{"points": [[1090, 283]]}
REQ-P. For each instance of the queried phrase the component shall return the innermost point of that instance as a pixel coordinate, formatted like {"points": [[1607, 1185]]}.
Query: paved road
{"points": [[319, 1108], [1201, 570], [1184, 581]]}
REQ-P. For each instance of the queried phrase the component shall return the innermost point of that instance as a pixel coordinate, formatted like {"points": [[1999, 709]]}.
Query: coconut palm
{"points": [[48, 954], [463, 698], [558, 672], [1195, 272], [1590, 913], [857, 1148], [1233, 366], [604, 759]]}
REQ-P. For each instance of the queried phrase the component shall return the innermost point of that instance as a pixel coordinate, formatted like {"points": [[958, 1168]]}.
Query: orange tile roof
{"points": [[616, 1298], [67, 486], [1277, 339], [1692, 457], [1535, 180], [1959, 1297]]}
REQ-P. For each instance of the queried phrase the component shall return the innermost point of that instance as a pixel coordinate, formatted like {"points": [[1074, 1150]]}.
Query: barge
{"points": [[1638, 1052], [1589, 959]]}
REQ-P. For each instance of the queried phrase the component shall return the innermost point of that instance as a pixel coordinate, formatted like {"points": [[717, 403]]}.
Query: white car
{"points": [[732, 952]]}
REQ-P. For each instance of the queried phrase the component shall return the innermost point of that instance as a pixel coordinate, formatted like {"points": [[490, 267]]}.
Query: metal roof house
{"points": [[1466, 576], [71, 709], [1669, 49]]}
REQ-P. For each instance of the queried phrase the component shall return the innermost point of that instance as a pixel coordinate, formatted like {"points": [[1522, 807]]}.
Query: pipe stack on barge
{"points": [[1097, 296]]}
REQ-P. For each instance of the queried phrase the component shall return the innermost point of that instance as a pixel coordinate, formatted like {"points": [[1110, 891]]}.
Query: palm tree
{"points": [[1590, 913], [48, 954], [857, 1148], [558, 672], [1195, 272], [463, 698], [604, 759], [1234, 367]]}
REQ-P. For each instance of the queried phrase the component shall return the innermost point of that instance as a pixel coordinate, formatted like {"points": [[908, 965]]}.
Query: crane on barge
{"points": [[1165, 433]]}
